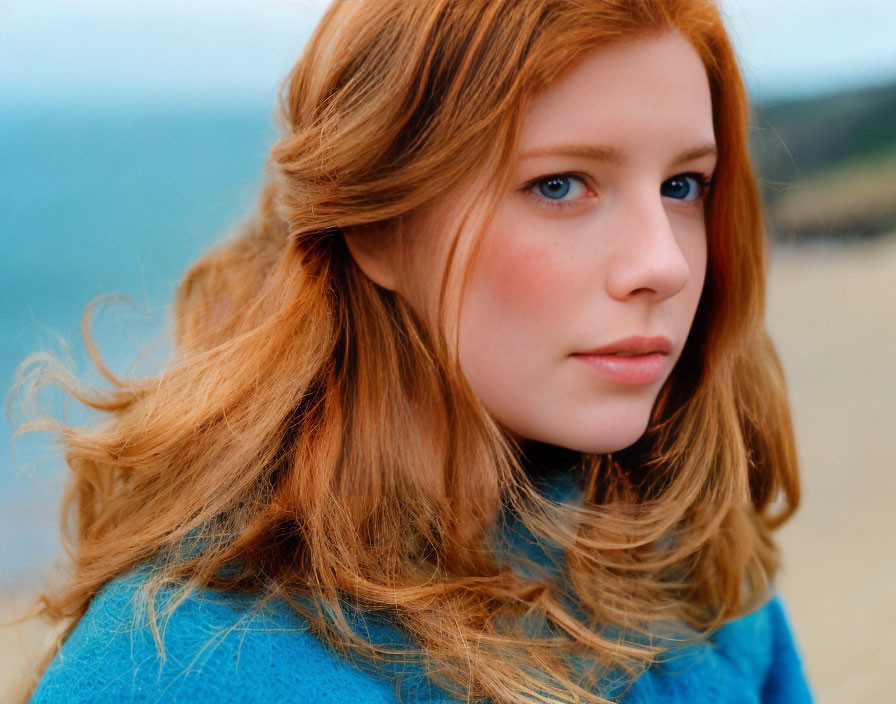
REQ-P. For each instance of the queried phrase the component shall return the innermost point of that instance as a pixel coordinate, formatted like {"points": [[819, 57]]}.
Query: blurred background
{"points": [[133, 135]]}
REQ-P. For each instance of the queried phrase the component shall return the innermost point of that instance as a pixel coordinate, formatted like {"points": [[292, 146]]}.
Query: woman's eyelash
{"points": [[545, 188], [702, 180], [560, 185]]}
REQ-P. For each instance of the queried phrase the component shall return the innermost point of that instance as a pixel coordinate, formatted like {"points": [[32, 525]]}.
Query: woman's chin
{"points": [[601, 439]]}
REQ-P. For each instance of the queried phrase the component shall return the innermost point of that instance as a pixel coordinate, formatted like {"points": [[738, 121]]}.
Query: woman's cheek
{"points": [[517, 327], [526, 269]]}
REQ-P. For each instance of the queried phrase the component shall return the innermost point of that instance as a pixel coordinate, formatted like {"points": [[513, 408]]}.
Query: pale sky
{"points": [[239, 50]]}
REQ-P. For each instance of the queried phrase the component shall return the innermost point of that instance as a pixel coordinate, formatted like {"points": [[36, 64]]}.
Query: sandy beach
{"points": [[832, 313]]}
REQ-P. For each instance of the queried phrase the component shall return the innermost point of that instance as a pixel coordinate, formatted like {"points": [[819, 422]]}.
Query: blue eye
{"points": [[560, 188], [686, 187]]}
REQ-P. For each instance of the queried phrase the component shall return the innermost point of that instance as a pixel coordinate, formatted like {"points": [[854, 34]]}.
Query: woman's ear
{"points": [[374, 254]]}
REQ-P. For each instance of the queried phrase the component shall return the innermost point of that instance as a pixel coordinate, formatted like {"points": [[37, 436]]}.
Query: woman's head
{"points": [[353, 369], [597, 243], [429, 110]]}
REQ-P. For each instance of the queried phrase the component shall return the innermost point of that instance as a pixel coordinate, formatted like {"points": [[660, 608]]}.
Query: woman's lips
{"points": [[633, 361]]}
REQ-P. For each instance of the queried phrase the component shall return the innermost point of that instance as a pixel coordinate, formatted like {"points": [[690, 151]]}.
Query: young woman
{"points": [[479, 406]]}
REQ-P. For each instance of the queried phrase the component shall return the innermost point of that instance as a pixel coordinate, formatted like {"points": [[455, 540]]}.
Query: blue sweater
{"points": [[218, 649], [270, 656]]}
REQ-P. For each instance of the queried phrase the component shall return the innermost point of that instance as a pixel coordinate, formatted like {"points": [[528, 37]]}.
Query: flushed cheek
{"points": [[520, 299]]}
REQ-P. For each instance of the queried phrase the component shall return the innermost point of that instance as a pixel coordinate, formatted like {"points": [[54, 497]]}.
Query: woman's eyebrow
{"points": [[587, 151], [611, 154], [708, 149]]}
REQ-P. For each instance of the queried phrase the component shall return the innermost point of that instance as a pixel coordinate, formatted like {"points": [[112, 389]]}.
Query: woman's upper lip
{"points": [[635, 344]]}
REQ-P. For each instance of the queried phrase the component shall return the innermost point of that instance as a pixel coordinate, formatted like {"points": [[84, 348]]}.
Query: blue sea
{"points": [[97, 201]]}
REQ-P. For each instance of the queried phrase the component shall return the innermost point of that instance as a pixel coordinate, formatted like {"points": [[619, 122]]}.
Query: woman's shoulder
{"points": [[217, 647], [785, 678], [751, 660]]}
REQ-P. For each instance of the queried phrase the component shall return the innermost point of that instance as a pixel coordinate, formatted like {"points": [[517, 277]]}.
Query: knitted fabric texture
{"points": [[219, 649]]}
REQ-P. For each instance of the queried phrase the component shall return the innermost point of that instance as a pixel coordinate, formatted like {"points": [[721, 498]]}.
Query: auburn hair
{"points": [[313, 439]]}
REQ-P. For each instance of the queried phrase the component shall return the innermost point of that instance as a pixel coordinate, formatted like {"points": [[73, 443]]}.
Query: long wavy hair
{"points": [[314, 439]]}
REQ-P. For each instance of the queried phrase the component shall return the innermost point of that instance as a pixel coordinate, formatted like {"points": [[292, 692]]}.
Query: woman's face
{"points": [[587, 280]]}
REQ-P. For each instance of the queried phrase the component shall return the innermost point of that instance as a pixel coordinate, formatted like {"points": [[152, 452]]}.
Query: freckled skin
{"points": [[618, 258]]}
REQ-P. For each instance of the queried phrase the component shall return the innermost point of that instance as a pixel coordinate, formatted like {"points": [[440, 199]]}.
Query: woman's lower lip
{"points": [[634, 370]]}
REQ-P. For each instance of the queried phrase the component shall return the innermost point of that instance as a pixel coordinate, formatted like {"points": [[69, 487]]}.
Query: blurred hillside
{"points": [[827, 165]]}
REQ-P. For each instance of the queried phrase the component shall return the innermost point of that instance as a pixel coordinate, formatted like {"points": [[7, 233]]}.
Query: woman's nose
{"points": [[648, 260]]}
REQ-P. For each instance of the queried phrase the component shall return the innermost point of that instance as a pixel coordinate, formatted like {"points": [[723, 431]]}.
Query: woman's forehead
{"points": [[615, 94]]}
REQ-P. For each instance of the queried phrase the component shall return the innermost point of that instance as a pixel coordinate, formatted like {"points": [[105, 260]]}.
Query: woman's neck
{"points": [[543, 462]]}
